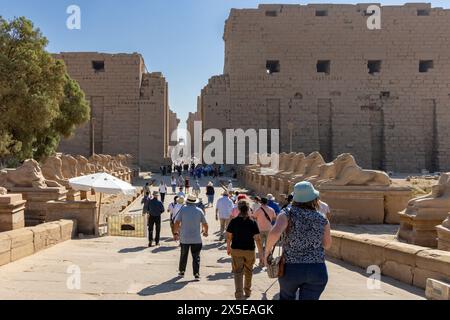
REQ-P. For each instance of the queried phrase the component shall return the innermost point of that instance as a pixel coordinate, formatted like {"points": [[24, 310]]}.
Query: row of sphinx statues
{"points": [[56, 170], [424, 220], [296, 167]]}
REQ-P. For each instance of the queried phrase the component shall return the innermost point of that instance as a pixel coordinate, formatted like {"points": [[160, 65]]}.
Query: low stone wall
{"points": [[20, 243], [84, 212], [408, 263]]}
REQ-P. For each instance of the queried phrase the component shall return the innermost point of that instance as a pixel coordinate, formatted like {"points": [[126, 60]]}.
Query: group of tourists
{"points": [[299, 228], [196, 170]]}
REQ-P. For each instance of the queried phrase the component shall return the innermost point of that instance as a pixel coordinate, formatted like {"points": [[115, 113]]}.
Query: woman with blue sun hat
{"points": [[307, 235]]}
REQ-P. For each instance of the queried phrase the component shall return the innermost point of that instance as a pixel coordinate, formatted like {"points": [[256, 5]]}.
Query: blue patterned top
{"points": [[304, 241]]}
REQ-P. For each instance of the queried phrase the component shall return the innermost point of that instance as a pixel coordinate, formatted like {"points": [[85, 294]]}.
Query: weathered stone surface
{"points": [[435, 260], [355, 195], [335, 250], [396, 200], [421, 276], [437, 290], [11, 212], [345, 172], [52, 170], [354, 205], [405, 262], [423, 214], [5, 249], [46, 235], [22, 252], [399, 271], [128, 104], [339, 104], [22, 243], [84, 212], [37, 200], [362, 252], [20, 237], [68, 229], [28, 175], [5, 243], [402, 252], [443, 232]]}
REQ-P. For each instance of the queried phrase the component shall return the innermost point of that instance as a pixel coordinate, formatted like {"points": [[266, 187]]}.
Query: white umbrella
{"points": [[102, 183]]}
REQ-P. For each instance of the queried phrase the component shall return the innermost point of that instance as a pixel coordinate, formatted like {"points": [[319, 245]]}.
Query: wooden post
{"points": [[97, 231]]}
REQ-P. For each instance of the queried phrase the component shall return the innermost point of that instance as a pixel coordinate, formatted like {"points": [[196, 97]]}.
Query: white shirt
{"points": [[170, 208], [255, 206], [224, 207], [174, 209], [181, 194], [162, 188], [230, 186], [174, 182], [324, 209]]}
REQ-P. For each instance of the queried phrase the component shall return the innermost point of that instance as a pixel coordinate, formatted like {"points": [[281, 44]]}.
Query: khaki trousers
{"points": [[242, 262], [224, 225]]}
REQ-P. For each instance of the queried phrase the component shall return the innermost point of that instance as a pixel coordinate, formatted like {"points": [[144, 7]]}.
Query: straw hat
{"points": [[180, 200], [192, 199]]}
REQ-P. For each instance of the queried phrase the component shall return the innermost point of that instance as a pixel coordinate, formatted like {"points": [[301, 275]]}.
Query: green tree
{"points": [[39, 102]]}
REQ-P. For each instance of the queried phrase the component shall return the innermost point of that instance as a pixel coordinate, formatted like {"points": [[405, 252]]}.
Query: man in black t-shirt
{"points": [[242, 233]]}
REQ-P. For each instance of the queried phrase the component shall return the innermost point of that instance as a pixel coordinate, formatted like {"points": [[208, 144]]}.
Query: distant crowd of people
{"points": [[300, 226], [196, 170]]}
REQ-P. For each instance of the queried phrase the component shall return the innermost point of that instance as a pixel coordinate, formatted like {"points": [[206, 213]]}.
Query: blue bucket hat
{"points": [[304, 192]]}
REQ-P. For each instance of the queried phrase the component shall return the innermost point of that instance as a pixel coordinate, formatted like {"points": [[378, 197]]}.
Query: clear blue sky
{"points": [[181, 38]]}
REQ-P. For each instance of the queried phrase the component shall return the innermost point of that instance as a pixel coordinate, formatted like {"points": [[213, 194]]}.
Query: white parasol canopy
{"points": [[103, 183]]}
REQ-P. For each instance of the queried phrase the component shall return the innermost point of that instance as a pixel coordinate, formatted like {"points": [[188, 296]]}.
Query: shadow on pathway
{"points": [[224, 260], [165, 287], [163, 249], [131, 250], [216, 245], [220, 276]]}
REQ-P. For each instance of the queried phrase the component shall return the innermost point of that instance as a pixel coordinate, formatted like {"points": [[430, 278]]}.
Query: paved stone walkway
{"points": [[124, 268]]}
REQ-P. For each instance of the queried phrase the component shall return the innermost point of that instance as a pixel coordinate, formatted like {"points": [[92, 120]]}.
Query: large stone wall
{"points": [[173, 126], [190, 121], [396, 119], [129, 107]]}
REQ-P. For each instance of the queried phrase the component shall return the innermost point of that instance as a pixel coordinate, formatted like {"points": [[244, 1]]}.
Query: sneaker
{"points": [[181, 274], [157, 244], [197, 276], [150, 245]]}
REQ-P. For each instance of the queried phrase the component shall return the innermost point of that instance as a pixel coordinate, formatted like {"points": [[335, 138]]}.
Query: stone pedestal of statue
{"points": [[73, 195], [419, 220], [364, 204], [83, 212], [418, 226], [12, 208], [395, 200], [88, 195], [354, 205], [36, 205], [443, 232]]}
